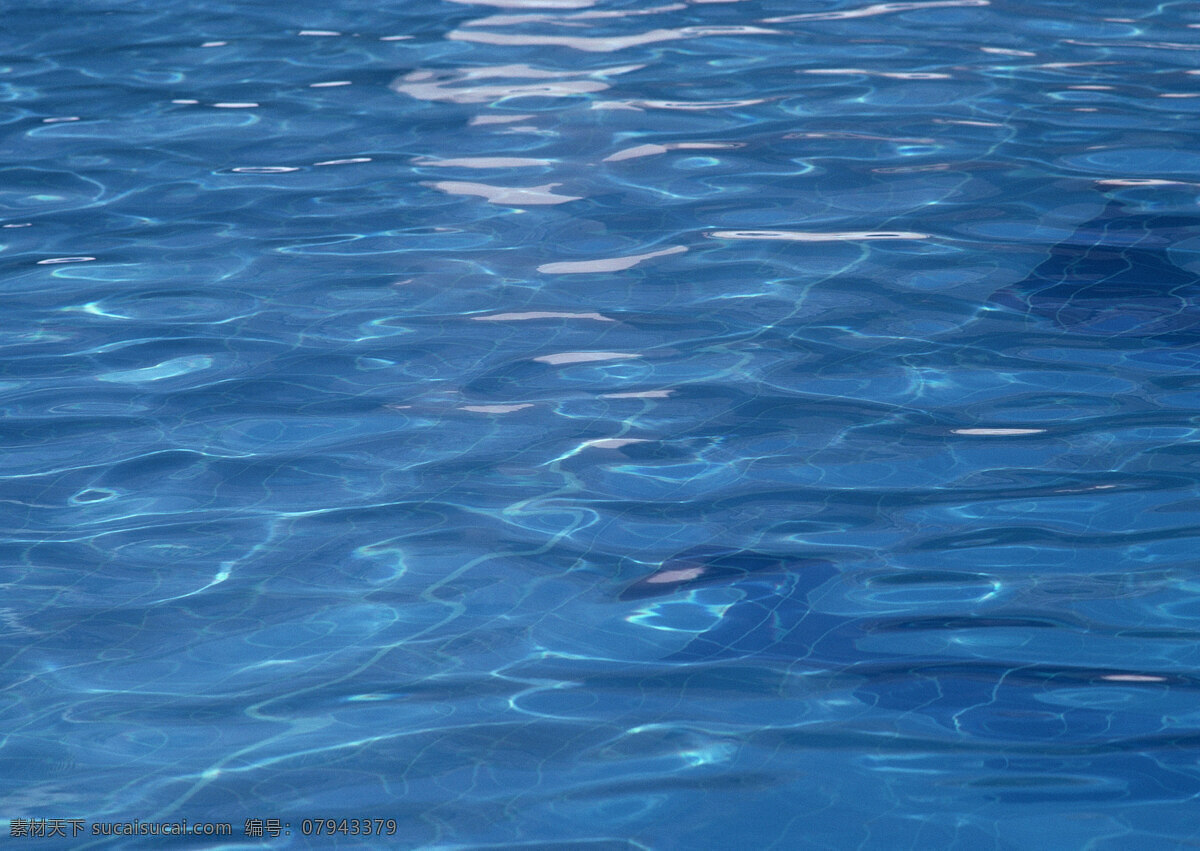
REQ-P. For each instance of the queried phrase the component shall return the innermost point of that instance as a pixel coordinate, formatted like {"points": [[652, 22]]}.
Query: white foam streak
{"points": [[812, 236], [513, 20], [590, 44], [653, 150], [842, 134], [640, 394], [874, 9], [967, 123], [459, 86], [508, 195], [490, 94], [1004, 51], [894, 75], [55, 260], [530, 4], [540, 314], [1058, 66], [480, 120], [603, 44], [616, 104], [635, 152], [482, 162], [495, 409], [1133, 678], [605, 264], [584, 357], [1140, 181], [998, 432], [676, 104]]}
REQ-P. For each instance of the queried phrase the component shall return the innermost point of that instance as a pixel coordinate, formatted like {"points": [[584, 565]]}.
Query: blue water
{"points": [[588, 424]]}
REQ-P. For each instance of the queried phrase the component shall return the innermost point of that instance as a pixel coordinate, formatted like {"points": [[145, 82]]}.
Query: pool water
{"points": [[590, 424]]}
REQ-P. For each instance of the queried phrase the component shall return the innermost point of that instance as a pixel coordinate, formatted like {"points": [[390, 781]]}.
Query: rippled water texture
{"points": [[572, 424]]}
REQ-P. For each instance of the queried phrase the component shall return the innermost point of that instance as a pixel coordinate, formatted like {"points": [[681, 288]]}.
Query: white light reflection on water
{"points": [[606, 264], [540, 314], [605, 44], [481, 162], [530, 4], [507, 195], [583, 357], [997, 432], [568, 20], [462, 86], [874, 9], [813, 236], [650, 150], [639, 394]]}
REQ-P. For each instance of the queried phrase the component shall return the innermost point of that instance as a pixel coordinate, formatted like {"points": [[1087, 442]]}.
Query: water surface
{"points": [[595, 424]]}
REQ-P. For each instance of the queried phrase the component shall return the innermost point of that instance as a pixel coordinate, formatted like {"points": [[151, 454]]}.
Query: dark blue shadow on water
{"points": [[1019, 709], [773, 617], [1115, 277]]}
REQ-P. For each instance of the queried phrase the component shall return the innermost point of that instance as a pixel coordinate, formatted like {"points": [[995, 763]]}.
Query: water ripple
{"points": [[573, 423]]}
